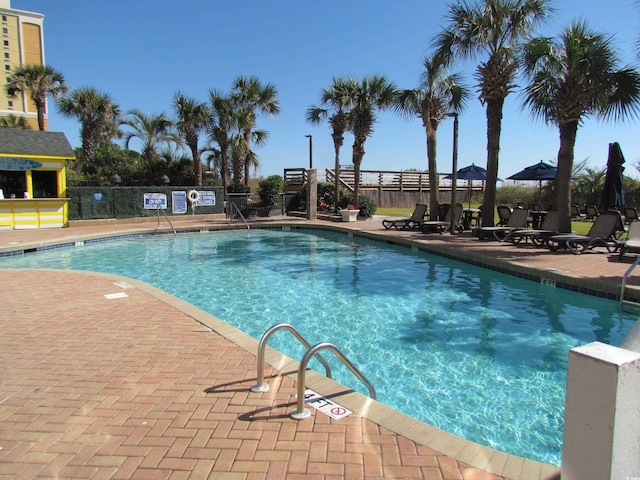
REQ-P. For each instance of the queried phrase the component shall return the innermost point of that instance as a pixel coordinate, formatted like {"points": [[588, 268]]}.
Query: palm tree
{"points": [[437, 95], [336, 111], [365, 98], [222, 128], [250, 95], [153, 131], [98, 116], [495, 27], [193, 116], [11, 121], [37, 81], [572, 78]]}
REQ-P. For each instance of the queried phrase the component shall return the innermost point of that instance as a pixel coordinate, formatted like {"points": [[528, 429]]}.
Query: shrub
{"points": [[269, 190], [367, 206], [238, 189]]}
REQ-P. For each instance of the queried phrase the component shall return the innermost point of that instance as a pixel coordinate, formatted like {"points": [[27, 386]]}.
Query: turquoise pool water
{"points": [[477, 353]]}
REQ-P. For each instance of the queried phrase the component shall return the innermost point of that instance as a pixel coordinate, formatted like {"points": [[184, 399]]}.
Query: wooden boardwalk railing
{"points": [[409, 181]]}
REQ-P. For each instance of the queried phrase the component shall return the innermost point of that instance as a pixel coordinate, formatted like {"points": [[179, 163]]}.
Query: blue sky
{"points": [[142, 51]]}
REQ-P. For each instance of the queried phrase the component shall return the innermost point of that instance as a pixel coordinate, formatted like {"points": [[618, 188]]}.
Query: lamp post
{"points": [[310, 137], [454, 174]]}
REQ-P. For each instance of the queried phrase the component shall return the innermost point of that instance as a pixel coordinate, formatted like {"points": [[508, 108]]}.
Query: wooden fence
{"points": [[387, 188]]}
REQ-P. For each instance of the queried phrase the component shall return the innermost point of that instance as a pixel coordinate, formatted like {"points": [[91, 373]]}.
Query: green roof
{"points": [[34, 142]]}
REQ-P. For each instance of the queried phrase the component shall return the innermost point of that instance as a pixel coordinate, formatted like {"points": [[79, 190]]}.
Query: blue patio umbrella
{"points": [[470, 173], [612, 193], [540, 171]]}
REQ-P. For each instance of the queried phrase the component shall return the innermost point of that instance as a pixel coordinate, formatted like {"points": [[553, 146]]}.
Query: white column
{"points": [[602, 414]]}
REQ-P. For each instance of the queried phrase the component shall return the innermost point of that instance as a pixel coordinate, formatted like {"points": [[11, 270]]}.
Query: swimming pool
{"points": [[476, 353]]}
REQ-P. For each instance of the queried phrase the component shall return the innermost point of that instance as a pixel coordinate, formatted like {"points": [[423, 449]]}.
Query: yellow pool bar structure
{"points": [[33, 179]]}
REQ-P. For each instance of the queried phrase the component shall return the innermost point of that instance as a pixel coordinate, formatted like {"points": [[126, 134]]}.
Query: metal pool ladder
{"points": [[627, 305], [240, 214], [300, 412]]}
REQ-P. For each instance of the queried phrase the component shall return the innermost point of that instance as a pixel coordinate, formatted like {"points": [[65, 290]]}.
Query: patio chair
{"points": [[576, 213], [601, 234], [453, 215], [504, 213], [632, 242], [630, 215], [414, 222], [548, 227], [590, 212], [517, 220]]}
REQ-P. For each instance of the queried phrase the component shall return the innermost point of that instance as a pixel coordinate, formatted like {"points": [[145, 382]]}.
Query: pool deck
{"points": [[105, 377]]}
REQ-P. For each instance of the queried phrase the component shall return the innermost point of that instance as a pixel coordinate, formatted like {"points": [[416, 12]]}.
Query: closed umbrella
{"points": [[540, 171], [612, 193]]}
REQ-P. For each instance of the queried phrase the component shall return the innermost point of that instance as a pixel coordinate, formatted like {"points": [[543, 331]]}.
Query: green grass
{"points": [[581, 228]]}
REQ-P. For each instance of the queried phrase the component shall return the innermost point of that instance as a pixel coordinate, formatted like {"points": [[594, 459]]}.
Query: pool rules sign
{"points": [[326, 406]]}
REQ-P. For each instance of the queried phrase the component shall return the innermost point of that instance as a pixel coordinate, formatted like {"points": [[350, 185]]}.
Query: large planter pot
{"points": [[349, 215]]}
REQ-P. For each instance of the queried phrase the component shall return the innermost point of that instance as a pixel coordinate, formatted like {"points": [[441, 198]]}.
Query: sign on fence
{"points": [[153, 201], [178, 202], [207, 197]]}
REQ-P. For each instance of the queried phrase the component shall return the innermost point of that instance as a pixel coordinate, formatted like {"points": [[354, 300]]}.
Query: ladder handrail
{"points": [[261, 386], [624, 278], [300, 412], [167, 217], [241, 216]]}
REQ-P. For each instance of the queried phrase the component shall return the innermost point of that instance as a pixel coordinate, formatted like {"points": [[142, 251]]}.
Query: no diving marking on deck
{"points": [[325, 405]]}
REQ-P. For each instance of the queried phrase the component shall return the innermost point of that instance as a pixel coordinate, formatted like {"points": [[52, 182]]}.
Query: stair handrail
{"points": [[261, 386], [300, 413], [623, 284], [167, 217], [240, 213]]}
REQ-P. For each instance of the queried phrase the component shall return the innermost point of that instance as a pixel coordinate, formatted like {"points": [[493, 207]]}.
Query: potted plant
{"points": [[350, 214]]}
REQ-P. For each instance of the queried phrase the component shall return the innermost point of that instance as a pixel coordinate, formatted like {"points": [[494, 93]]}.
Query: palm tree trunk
{"points": [[40, 109], [336, 174], [197, 164], [358, 154], [494, 124], [89, 144], [247, 162], [433, 172], [568, 132], [224, 173]]}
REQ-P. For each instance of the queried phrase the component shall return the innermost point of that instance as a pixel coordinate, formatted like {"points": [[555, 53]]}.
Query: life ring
{"points": [[193, 196]]}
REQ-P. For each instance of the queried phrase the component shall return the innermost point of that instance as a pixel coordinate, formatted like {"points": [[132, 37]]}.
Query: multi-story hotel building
{"points": [[22, 44]]}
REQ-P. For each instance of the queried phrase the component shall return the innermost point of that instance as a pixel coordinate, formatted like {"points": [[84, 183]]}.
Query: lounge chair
{"points": [[590, 212], [576, 214], [517, 220], [549, 227], [414, 222], [453, 215], [504, 213], [632, 243], [601, 234], [630, 214]]}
